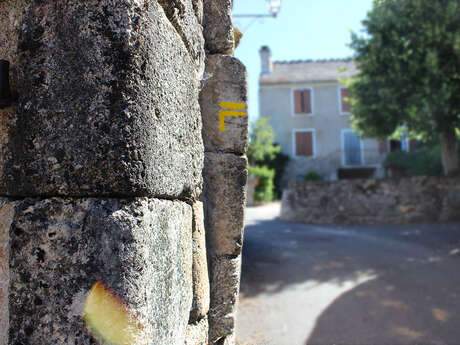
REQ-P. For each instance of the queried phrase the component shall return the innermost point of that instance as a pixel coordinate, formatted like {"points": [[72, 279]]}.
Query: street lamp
{"points": [[273, 7]]}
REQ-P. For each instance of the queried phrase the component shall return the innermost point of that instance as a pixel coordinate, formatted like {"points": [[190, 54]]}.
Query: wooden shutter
{"points": [[304, 144], [302, 101], [345, 105], [383, 146], [306, 95], [297, 102]]}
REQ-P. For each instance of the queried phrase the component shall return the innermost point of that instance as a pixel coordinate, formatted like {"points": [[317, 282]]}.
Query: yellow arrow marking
{"points": [[226, 113], [234, 106]]}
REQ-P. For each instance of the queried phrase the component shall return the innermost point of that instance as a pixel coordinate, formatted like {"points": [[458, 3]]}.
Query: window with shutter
{"points": [[344, 105], [303, 143], [302, 101]]}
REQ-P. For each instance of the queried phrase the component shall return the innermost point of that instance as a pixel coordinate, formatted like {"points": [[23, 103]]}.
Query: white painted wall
{"points": [[327, 120]]}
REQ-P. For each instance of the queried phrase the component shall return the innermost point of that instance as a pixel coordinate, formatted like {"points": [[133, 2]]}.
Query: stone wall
{"points": [[366, 202], [225, 167], [101, 169]]}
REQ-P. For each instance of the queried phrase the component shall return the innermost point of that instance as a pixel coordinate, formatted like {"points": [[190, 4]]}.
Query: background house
{"points": [[305, 104]]}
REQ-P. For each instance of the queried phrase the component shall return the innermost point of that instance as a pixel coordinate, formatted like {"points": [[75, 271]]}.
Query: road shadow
{"points": [[410, 293], [382, 312], [278, 254]]}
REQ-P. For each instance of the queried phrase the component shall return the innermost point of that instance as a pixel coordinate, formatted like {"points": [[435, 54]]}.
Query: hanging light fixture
{"points": [[273, 7]]}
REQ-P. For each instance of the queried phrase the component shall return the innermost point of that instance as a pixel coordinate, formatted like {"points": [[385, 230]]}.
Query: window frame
{"points": [[293, 101], [313, 139], [339, 94], [361, 147]]}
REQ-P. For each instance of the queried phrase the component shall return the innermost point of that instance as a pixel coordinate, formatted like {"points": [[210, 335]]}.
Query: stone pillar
{"points": [[225, 168], [101, 160]]}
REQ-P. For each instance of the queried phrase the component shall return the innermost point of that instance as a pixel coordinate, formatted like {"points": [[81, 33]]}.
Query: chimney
{"points": [[266, 60]]}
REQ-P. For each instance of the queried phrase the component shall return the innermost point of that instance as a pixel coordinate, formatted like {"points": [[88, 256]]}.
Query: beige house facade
{"points": [[305, 103]]}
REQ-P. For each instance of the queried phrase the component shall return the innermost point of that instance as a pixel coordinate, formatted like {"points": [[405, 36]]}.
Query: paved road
{"points": [[320, 285]]}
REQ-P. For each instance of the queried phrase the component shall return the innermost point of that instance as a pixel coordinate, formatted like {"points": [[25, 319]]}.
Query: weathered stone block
{"points": [[229, 340], [11, 14], [108, 93], [140, 248], [197, 333], [218, 27], [225, 177], [200, 276], [198, 7], [225, 81], [225, 286], [6, 218], [186, 17]]}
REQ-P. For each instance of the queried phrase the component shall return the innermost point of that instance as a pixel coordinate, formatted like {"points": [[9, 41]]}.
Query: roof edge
{"points": [[311, 60]]}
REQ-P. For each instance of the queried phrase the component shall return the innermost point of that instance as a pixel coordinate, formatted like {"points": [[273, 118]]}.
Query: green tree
{"points": [[261, 146], [263, 152], [409, 63]]}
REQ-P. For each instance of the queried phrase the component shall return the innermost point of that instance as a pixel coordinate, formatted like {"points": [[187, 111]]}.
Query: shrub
{"points": [[277, 162], [262, 151], [312, 176], [425, 161], [264, 187]]}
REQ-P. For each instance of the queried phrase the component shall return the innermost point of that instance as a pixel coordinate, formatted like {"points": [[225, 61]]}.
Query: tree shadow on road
{"points": [[278, 254], [413, 298], [383, 312]]}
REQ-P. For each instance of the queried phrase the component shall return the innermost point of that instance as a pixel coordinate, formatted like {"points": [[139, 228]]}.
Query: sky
{"points": [[304, 29]]}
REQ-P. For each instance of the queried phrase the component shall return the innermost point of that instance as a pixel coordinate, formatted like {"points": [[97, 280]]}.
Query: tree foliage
{"points": [[264, 189], [263, 152], [409, 63], [261, 145], [425, 161]]}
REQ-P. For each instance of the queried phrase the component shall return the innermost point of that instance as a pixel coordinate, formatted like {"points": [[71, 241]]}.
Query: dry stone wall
{"points": [[102, 164], [224, 92], [367, 202]]}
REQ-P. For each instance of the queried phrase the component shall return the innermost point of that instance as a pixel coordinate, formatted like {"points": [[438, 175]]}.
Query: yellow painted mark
{"points": [[233, 106], [440, 315], [408, 333], [232, 112]]}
